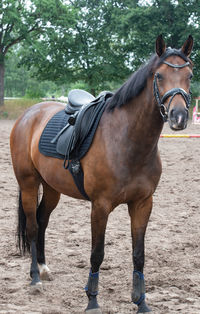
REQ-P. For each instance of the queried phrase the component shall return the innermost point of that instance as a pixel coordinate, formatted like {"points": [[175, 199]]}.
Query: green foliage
{"points": [[195, 89], [77, 85], [19, 82], [93, 45], [20, 19], [105, 40], [81, 51], [34, 90], [26, 20], [37, 89], [140, 24], [15, 78]]}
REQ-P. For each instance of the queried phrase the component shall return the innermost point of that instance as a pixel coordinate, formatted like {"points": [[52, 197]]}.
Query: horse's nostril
{"points": [[178, 115], [172, 113], [178, 118]]}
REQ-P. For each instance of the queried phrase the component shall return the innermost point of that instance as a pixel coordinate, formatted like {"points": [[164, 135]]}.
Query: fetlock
{"points": [[92, 284], [138, 294], [92, 291]]}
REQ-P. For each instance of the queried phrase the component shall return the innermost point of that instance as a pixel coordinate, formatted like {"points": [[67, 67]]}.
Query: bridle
{"points": [[172, 92]]}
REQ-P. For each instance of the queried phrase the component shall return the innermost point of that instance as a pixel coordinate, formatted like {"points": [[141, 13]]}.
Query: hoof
{"points": [[36, 282], [93, 311], [46, 276], [143, 308], [36, 288], [93, 306], [45, 273]]}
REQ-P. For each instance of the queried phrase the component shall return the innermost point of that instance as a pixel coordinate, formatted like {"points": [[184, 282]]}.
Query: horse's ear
{"points": [[187, 46], [160, 45]]}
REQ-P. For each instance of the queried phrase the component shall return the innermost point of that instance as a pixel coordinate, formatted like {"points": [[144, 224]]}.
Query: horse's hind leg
{"points": [[49, 201], [29, 231]]}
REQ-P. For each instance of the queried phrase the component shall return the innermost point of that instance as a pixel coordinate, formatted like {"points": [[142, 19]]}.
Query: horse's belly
{"points": [[54, 174]]}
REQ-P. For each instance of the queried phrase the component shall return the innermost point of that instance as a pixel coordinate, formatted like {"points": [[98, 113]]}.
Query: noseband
{"points": [[171, 93]]}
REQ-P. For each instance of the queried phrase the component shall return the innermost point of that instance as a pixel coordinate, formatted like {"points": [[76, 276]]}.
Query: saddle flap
{"points": [[65, 140]]}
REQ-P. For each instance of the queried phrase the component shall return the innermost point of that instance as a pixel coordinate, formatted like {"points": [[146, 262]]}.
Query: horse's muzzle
{"points": [[178, 118]]}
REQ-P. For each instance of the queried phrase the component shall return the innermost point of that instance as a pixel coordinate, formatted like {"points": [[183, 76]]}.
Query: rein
{"points": [[171, 93]]}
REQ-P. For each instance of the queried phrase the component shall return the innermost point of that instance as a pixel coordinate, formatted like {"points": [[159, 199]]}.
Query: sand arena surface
{"points": [[172, 268]]}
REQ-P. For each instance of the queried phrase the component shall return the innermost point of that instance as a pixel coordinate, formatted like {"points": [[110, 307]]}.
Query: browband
{"points": [[179, 66]]}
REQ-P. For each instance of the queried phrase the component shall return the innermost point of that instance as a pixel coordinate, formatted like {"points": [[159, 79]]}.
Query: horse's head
{"points": [[172, 82]]}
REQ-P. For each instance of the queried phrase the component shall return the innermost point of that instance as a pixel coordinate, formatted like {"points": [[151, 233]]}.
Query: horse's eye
{"points": [[190, 76], [159, 77]]}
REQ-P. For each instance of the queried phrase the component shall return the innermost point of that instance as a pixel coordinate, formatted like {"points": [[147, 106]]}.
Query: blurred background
{"points": [[48, 47]]}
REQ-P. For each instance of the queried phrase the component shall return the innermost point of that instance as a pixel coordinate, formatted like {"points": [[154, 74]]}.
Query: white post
{"points": [[196, 113]]}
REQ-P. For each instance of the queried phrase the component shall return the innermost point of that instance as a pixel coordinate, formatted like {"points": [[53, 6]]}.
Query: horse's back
{"points": [[38, 113]]}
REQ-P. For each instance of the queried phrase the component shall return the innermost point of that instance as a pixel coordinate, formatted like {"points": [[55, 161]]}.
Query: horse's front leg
{"points": [[139, 214], [99, 217]]}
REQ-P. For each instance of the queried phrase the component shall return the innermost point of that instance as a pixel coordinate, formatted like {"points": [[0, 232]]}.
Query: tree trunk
{"points": [[2, 71]]}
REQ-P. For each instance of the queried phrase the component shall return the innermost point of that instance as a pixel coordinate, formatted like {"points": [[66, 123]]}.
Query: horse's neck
{"points": [[144, 117], [137, 126]]}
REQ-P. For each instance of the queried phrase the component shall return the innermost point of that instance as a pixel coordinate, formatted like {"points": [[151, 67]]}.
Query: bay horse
{"points": [[122, 166]]}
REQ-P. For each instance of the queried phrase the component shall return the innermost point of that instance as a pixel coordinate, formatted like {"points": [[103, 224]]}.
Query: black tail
{"points": [[23, 243]]}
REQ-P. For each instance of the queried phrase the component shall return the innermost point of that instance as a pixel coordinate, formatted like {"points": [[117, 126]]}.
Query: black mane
{"points": [[138, 80]]}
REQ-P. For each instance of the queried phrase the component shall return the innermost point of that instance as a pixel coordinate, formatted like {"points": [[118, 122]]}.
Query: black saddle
{"points": [[86, 111], [76, 99]]}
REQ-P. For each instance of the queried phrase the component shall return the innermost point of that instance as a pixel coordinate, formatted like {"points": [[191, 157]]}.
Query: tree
{"points": [[88, 51], [20, 82], [108, 39], [140, 23], [21, 20], [15, 77]]}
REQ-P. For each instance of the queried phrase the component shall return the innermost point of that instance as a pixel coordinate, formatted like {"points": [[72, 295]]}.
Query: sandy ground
{"points": [[172, 268]]}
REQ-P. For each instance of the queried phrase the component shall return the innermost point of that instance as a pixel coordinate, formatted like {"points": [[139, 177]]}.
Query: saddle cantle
{"points": [[76, 99]]}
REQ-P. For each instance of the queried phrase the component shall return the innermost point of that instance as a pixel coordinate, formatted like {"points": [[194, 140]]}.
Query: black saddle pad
{"points": [[53, 127], [55, 124]]}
